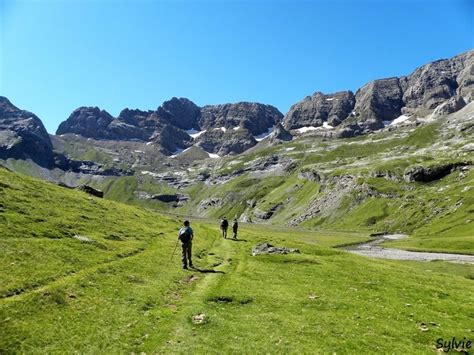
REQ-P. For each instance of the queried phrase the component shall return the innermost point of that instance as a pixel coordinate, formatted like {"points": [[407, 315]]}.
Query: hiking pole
{"points": [[174, 251]]}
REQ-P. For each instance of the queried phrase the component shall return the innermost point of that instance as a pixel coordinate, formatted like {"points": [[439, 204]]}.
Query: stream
{"points": [[373, 250]]}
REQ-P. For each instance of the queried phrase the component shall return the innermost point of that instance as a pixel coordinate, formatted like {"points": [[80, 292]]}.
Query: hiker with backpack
{"points": [[235, 227], [186, 236], [224, 226]]}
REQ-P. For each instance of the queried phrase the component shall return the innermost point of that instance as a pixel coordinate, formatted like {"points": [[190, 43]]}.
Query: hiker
{"points": [[186, 236], [224, 226], [235, 227]]}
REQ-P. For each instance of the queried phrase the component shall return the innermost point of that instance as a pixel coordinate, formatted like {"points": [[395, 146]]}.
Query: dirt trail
{"points": [[373, 249]]}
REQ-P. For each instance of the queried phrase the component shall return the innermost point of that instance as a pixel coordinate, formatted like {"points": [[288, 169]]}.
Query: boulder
{"points": [[266, 248], [91, 191]]}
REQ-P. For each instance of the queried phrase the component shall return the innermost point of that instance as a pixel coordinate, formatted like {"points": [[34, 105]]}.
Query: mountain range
{"points": [[322, 163]]}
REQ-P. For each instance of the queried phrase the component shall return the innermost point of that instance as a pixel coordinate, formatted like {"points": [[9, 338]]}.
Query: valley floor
{"points": [[321, 300], [86, 275]]}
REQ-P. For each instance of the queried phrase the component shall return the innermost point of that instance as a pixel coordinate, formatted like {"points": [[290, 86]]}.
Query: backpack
{"points": [[184, 235], [224, 224]]}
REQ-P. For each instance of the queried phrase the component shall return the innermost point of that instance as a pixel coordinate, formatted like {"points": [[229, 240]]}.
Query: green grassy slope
{"points": [[118, 291]]}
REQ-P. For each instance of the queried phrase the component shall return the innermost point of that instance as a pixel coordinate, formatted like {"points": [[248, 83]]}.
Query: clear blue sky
{"points": [[58, 55]]}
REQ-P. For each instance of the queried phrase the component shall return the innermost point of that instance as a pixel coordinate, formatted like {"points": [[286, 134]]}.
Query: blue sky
{"points": [[58, 55]]}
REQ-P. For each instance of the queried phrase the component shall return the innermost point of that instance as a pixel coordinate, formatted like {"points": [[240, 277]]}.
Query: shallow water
{"points": [[373, 250]]}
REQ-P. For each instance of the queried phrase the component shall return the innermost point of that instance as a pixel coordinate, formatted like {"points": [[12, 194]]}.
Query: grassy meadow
{"points": [[81, 274]]}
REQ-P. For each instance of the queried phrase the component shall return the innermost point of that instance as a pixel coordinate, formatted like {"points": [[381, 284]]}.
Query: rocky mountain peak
{"points": [[23, 136], [90, 122], [180, 112], [384, 100]]}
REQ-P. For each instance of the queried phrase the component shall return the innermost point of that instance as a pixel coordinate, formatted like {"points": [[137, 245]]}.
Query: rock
{"points": [[171, 139], [337, 189], [452, 105], [310, 175], [91, 191], [319, 108], [245, 219], [266, 214], [379, 100], [255, 117], [229, 142], [180, 112], [446, 81], [266, 248], [82, 238], [431, 84], [209, 203], [89, 167], [166, 198], [199, 318], [23, 136], [422, 174], [280, 134], [90, 122]]}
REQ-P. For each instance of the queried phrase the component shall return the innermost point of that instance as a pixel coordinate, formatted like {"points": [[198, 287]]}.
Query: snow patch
{"points": [[139, 151], [149, 143], [330, 99], [213, 156], [289, 149], [146, 172], [327, 125], [396, 121], [236, 128], [264, 134], [179, 151], [194, 133], [306, 129]]}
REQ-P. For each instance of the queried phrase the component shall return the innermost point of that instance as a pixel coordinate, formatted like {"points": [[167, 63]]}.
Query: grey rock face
{"points": [[182, 113], [422, 174], [433, 83], [422, 91], [167, 125], [229, 142], [452, 105], [319, 108], [254, 117], [171, 139], [88, 122], [379, 99], [23, 136]]}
